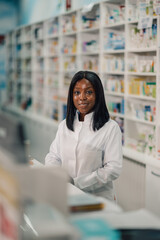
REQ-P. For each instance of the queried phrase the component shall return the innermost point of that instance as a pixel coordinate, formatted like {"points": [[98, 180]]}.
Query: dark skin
{"points": [[84, 97]]}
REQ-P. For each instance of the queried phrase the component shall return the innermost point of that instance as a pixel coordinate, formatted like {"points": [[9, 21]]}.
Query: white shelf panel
{"points": [[52, 36], [141, 74], [141, 97], [114, 73], [89, 30], [139, 120], [114, 93], [69, 71], [115, 25], [117, 114], [52, 55], [140, 157], [132, 21], [89, 53], [69, 54], [134, 155], [139, 50], [118, 51], [39, 40]]}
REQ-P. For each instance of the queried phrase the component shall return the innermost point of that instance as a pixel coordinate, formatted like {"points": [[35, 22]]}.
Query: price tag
{"points": [[145, 22]]}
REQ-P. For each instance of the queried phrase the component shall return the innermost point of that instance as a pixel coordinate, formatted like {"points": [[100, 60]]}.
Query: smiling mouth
{"points": [[83, 104]]}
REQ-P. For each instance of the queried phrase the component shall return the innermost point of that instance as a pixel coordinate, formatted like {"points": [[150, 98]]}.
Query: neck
{"points": [[81, 117]]}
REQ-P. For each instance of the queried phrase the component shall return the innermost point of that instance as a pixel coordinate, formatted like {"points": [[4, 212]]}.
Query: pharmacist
{"points": [[88, 144]]}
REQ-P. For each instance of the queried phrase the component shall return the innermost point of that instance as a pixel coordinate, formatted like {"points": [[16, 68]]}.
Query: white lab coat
{"points": [[92, 158]]}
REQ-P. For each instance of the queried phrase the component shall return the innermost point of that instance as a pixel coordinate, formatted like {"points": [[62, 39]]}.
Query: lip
{"points": [[83, 104]]}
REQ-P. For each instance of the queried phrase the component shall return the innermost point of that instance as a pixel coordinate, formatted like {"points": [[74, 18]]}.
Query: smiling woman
{"points": [[84, 97], [88, 143]]}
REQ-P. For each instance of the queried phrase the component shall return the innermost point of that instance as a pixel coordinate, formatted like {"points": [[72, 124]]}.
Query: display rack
{"points": [[113, 39]]}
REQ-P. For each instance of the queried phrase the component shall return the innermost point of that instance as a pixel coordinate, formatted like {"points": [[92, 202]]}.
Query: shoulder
{"points": [[112, 125], [62, 124]]}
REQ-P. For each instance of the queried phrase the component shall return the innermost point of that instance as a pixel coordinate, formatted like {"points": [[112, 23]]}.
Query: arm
{"points": [[53, 157], [112, 164]]}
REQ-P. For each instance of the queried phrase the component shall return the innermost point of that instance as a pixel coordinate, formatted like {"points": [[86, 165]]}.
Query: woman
{"points": [[88, 143]]}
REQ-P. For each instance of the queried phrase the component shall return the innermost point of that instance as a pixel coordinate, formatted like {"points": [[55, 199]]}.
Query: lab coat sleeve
{"points": [[53, 157], [111, 167]]}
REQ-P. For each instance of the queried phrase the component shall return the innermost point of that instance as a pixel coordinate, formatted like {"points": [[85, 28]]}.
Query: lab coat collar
{"points": [[88, 117]]}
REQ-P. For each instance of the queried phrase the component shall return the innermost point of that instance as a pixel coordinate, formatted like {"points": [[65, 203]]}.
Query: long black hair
{"points": [[100, 112]]}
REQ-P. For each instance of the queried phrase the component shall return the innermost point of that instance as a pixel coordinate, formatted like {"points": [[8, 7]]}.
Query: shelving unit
{"points": [[43, 57]]}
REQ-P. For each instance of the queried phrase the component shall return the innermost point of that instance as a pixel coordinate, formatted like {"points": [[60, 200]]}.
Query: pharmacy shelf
{"points": [[45, 55]]}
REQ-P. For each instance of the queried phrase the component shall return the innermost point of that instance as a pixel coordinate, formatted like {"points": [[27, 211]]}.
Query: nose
{"points": [[83, 96]]}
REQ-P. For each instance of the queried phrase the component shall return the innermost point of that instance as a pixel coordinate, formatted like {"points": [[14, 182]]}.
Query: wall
{"points": [[8, 15]]}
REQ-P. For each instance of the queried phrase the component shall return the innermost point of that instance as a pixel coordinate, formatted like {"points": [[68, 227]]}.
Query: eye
{"points": [[89, 92], [76, 92]]}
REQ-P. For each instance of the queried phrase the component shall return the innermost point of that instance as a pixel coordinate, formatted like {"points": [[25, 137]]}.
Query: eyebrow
{"points": [[80, 88]]}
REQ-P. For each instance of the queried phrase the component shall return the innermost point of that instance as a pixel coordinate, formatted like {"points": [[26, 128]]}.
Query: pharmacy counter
{"points": [[114, 223]]}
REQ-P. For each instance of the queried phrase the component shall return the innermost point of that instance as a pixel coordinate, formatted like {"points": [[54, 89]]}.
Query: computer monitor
{"points": [[12, 138]]}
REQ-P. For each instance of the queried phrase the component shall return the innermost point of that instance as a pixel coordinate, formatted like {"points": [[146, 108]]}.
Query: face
{"points": [[84, 97]]}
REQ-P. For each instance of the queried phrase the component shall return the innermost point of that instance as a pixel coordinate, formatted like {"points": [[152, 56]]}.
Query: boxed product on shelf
{"points": [[52, 27], [90, 63], [52, 64], [67, 78], [52, 82], [115, 104], [142, 63], [142, 38], [113, 83], [142, 110], [143, 138], [90, 46], [38, 31], [69, 23], [70, 45], [38, 65], [113, 63], [38, 49], [137, 9], [114, 40], [90, 17], [70, 64], [114, 13], [142, 86], [27, 34], [52, 47]]}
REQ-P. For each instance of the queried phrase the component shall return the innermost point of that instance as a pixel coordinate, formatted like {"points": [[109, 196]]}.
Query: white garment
{"points": [[92, 158]]}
